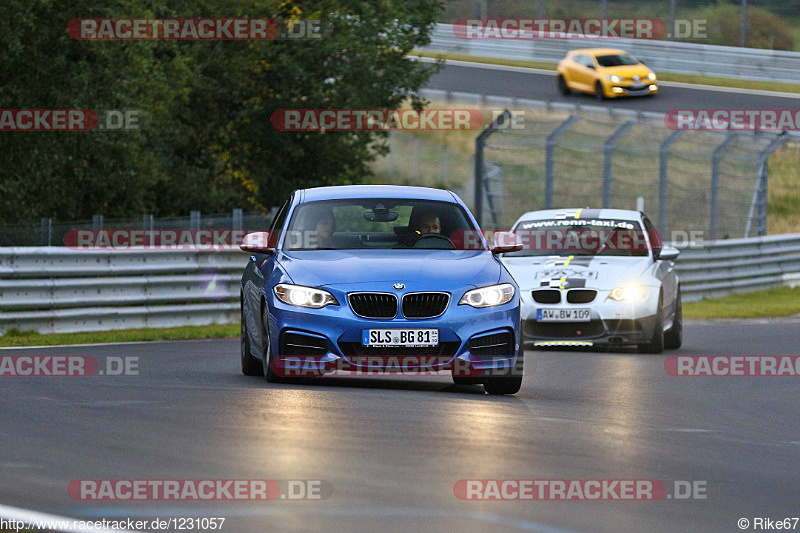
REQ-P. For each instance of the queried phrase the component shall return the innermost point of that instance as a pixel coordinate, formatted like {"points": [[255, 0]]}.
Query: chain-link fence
{"points": [[49, 232], [714, 182], [688, 181]]}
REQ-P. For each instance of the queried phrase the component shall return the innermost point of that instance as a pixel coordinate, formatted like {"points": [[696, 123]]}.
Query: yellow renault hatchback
{"points": [[606, 73]]}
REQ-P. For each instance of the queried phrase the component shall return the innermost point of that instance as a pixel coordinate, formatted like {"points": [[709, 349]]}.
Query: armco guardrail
{"points": [[737, 265], [58, 290], [661, 56]]}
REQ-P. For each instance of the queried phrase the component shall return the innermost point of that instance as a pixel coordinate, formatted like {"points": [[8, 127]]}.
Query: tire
{"points": [[563, 88], [656, 344], [266, 355], [598, 91], [673, 337], [506, 384], [250, 365]]}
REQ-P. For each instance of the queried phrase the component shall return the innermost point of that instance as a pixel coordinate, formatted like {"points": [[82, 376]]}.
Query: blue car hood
{"points": [[424, 269]]}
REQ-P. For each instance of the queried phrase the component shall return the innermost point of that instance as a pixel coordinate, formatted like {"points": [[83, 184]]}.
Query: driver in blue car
{"points": [[429, 223]]}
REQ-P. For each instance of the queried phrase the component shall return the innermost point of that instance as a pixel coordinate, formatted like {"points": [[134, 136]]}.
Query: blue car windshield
{"points": [[366, 223]]}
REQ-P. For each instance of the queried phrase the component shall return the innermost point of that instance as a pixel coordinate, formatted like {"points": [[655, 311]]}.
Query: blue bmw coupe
{"points": [[379, 277]]}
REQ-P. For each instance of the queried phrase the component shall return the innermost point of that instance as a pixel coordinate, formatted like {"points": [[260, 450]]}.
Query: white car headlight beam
{"points": [[628, 293]]}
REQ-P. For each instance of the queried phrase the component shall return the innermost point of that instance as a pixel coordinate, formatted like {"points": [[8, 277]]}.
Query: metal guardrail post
{"points": [[97, 222], [608, 150], [760, 191], [549, 162], [713, 225], [480, 142], [663, 179]]}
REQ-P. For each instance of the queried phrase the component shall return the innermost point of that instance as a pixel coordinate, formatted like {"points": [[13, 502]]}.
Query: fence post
{"points": [[445, 165], [663, 179], [147, 225], [97, 222], [480, 141], [46, 225], [713, 226], [194, 220], [760, 191], [549, 162], [608, 150], [237, 220]]}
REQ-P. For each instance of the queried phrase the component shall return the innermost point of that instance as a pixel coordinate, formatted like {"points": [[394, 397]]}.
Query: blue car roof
{"points": [[343, 192]]}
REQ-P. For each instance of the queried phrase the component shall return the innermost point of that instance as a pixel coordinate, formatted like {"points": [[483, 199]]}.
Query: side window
{"points": [[588, 62], [276, 228], [656, 240]]}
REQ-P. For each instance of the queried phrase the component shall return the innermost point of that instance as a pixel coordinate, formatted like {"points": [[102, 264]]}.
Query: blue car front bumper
{"points": [[472, 341]]}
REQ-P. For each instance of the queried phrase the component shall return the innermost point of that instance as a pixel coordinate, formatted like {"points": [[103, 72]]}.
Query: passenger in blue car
{"points": [[323, 227]]}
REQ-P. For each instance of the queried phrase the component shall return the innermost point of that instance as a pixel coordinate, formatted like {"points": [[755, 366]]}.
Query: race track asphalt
{"points": [[393, 448]]}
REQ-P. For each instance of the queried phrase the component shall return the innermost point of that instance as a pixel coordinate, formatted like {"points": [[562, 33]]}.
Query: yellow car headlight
{"points": [[651, 76], [628, 293], [614, 78]]}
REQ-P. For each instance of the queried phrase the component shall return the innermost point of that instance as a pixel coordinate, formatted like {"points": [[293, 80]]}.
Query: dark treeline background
{"points": [[210, 145]]}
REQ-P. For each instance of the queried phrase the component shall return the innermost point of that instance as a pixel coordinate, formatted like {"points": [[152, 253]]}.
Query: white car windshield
{"points": [[613, 237]]}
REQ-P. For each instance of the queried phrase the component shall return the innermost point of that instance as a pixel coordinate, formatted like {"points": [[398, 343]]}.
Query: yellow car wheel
{"points": [[599, 92], [563, 88]]}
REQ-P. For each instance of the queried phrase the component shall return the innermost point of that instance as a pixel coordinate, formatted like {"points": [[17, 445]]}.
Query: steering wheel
{"points": [[435, 241]]}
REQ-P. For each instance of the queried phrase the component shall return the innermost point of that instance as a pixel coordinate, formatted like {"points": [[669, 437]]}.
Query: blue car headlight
{"points": [[304, 296], [490, 296]]}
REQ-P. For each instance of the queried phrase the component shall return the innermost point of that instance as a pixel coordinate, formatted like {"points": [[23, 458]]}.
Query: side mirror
{"points": [[259, 242], [506, 241], [668, 253]]}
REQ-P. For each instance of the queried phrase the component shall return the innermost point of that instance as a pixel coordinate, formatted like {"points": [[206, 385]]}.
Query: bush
{"points": [[764, 29]]}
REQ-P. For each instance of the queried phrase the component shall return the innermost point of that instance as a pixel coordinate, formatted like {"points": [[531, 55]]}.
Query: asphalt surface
{"points": [[540, 85], [392, 449]]}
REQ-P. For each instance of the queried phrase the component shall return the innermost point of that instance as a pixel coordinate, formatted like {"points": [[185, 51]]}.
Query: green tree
{"points": [[209, 144]]}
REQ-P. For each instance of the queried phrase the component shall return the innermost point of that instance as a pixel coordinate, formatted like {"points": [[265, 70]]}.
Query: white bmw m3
{"points": [[591, 277]]}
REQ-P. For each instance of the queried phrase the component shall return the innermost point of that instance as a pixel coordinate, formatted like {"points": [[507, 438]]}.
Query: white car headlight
{"points": [[304, 296], [651, 76], [488, 296], [614, 78], [628, 293]]}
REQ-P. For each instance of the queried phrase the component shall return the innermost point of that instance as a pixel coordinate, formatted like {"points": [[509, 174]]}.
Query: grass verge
{"points": [[662, 76], [782, 301], [31, 338]]}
